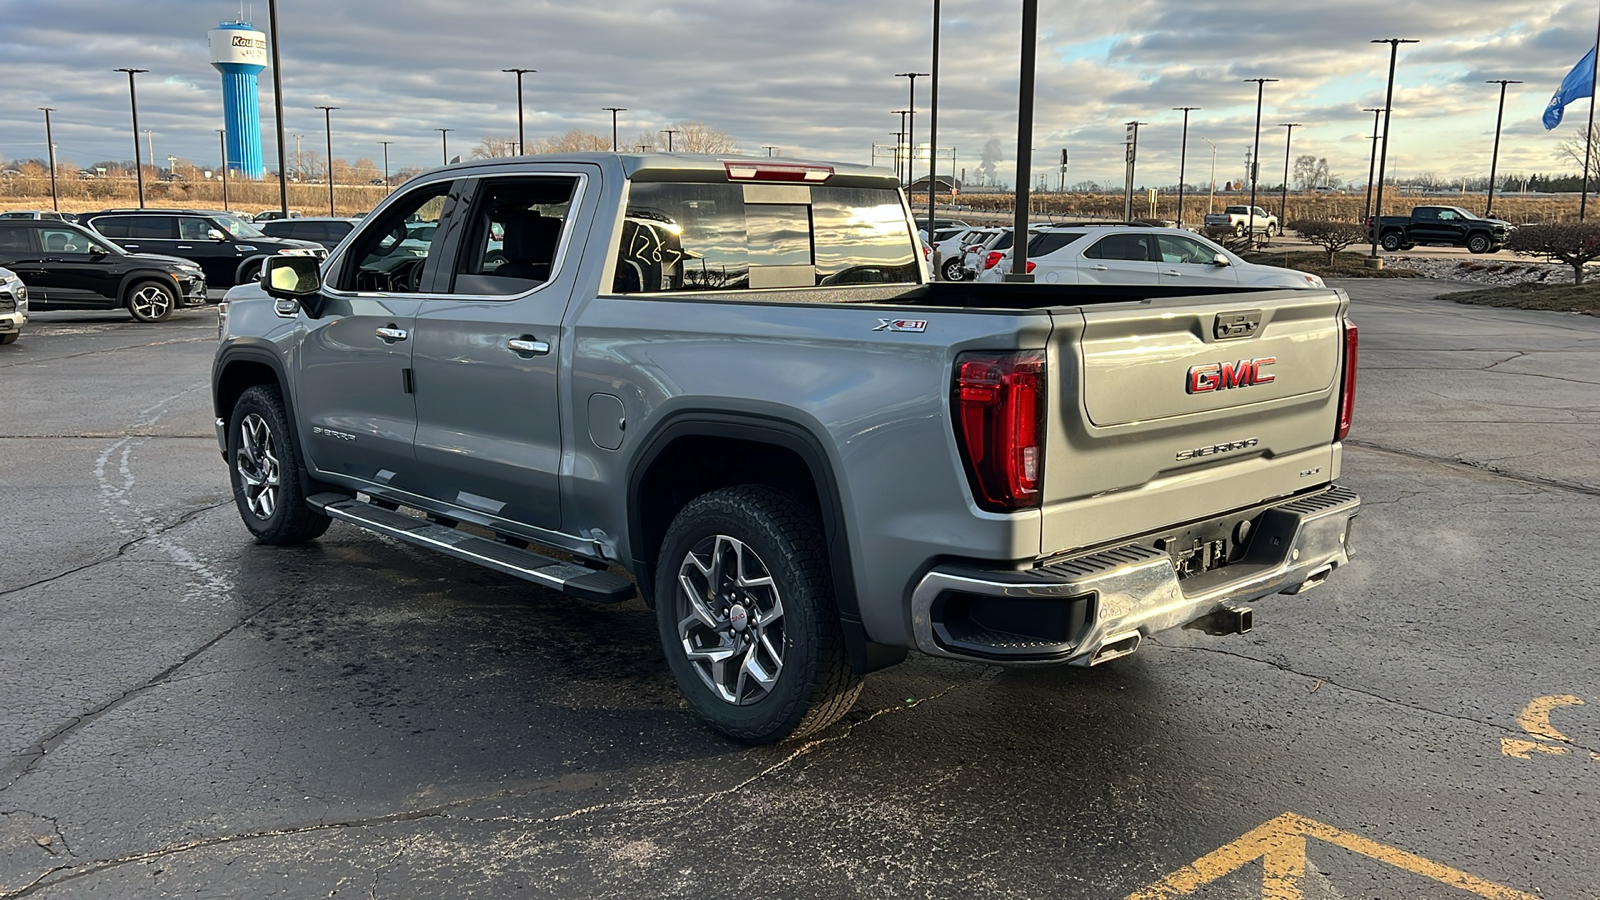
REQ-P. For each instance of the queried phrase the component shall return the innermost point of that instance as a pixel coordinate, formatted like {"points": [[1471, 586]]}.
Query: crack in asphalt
{"points": [[1325, 680], [1576, 487], [76, 871], [48, 359], [123, 550], [55, 827]]}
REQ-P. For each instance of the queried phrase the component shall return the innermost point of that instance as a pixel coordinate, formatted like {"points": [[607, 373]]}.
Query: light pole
{"points": [[277, 108], [1588, 136], [1019, 222], [669, 132], [1494, 161], [1255, 157], [222, 137], [1131, 165], [133, 104], [614, 110], [911, 123], [1383, 155], [522, 145], [933, 125], [1183, 157], [327, 122], [444, 142], [1372, 164], [50, 145], [900, 141], [386, 163], [1211, 198], [770, 148], [1283, 204]]}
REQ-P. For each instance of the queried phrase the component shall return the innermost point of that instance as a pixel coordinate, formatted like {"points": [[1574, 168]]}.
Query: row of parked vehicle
{"points": [[1105, 253], [150, 262]]}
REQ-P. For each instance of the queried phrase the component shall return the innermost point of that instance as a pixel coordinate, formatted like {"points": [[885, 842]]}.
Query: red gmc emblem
{"points": [[1222, 376]]}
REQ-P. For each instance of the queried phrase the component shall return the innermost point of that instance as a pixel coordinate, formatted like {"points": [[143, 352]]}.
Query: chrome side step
{"points": [[569, 578]]}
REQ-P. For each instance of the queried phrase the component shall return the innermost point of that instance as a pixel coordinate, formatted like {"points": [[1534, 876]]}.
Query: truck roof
{"points": [[688, 166]]}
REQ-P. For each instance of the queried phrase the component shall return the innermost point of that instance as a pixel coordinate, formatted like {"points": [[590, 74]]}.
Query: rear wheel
{"points": [[746, 611], [264, 466], [1478, 243], [1390, 242], [151, 301], [952, 270]]}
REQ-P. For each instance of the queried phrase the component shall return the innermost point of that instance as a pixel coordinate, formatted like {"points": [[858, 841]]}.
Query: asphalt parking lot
{"points": [[185, 713]]}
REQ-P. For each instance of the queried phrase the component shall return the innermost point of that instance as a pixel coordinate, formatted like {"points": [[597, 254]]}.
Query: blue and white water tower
{"points": [[239, 52]]}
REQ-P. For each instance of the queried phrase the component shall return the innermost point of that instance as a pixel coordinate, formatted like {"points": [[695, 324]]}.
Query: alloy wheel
{"points": [[257, 465], [730, 619], [150, 302]]}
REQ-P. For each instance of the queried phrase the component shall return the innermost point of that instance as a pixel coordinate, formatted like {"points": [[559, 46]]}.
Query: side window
{"points": [[112, 227], [391, 250], [135, 227], [1447, 215], [14, 240], [194, 228], [61, 240], [1051, 241], [1134, 247], [1425, 214], [1179, 249], [513, 236]]}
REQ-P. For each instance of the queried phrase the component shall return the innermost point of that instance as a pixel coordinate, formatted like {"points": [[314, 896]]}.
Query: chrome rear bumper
{"points": [[1096, 607]]}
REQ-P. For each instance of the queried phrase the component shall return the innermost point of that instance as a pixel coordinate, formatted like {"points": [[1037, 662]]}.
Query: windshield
{"points": [[238, 227]]}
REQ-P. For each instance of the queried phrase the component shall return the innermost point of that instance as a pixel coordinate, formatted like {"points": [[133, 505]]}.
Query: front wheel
{"points": [[1478, 243], [264, 466], [1390, 242], [746, 611], [151, 301], [9, 338], [1272, 231]]}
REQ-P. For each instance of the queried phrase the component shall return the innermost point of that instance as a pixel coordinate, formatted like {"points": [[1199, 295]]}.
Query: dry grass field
{"points": [[77, 195]]}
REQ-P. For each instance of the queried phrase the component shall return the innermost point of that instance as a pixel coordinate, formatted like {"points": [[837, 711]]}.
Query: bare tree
{"points": [[575, 140], [1573, 243], [1572, 150], [1332, 236], [494, 148], [700, 137]]}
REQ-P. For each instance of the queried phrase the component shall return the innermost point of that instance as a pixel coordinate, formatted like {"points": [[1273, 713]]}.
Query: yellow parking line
{"points": [[1535, 717]]}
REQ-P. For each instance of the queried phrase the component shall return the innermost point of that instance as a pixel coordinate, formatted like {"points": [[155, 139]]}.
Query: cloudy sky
{"points": [[816, 77]]}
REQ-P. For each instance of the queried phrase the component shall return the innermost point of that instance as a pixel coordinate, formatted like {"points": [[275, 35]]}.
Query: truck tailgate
{"points": [[1177, 409]]}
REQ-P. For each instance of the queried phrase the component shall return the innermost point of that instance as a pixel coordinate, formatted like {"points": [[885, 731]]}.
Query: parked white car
{"points": [[1133, 254], [13, 306]]}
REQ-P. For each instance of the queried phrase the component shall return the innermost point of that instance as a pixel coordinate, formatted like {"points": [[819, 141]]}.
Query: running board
{"points": [[569, 578]]}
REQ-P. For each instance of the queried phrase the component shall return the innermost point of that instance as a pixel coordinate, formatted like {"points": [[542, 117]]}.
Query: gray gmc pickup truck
{"points": [[727, 385]]}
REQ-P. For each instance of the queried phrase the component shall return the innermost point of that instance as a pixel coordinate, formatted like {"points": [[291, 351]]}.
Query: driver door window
{"points": [[391, 252]]}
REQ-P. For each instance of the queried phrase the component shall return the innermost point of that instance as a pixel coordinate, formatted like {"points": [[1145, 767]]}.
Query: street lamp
{"points": [[911, 124], [522, 146], [1019, 222], [1255, 157], [1383, 155], [900, 166], [1494, 161], [444, 142], [1283, 204], [933, 125], [1372, 164], [614, 110], [1183, 156], [327, 122], [277, 107], [1130, 165], [50, 145], [1211, 198], [222, 137], [133, 104], [669, 132], [770, 148], [386, 162]]}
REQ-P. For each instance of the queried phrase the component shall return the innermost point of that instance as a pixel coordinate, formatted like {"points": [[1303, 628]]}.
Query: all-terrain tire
{"points": [[265, 470]]}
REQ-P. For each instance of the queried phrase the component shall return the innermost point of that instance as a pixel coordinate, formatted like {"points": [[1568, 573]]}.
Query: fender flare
{"points": [[262, 353], [779, 431], [138, 275]]}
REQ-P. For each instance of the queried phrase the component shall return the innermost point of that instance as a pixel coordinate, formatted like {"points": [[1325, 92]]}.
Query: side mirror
{"points": [[97, 251], [297, 278], [1221, 260], [215, 235]]}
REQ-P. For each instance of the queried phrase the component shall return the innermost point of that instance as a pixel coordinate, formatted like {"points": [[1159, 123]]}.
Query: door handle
{"points": [[393, 334], [185, 247], [131, 246], [1173, 272], [528, 345], [1100, 268]]}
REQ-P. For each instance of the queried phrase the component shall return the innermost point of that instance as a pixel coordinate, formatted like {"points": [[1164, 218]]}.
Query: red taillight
{"points": [[1347, 390], [998, 403], [994, 257], [1031, 266]]}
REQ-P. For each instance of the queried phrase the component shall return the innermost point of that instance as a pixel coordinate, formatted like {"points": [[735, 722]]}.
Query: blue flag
{"points": [[1578, 84]]}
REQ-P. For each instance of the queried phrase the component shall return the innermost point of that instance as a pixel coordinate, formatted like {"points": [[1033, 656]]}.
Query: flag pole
{"points": [[1588, 136]]}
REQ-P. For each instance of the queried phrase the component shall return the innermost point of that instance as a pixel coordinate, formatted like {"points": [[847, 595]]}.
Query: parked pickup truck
{"points": [[726, 385], [1238, 218], [1450, 225]]}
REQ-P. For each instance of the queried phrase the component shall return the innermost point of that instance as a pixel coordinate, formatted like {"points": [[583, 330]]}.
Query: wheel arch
{"points": [[243, 366], [695, 451], [125, 287]]}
